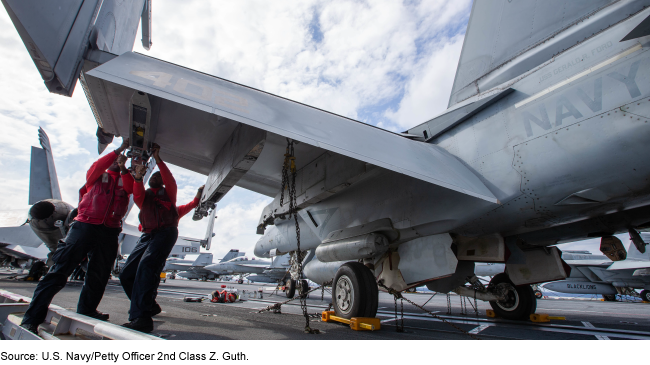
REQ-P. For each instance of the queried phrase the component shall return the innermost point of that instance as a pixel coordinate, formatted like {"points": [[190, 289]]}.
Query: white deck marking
{"points": [[589, 325], [479, 329]]}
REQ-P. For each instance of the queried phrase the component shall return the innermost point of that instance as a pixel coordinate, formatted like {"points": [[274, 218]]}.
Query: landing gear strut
{"points": [[520, 300], [354, 291]]}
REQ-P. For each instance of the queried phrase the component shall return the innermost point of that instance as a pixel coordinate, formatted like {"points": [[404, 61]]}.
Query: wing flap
{"points": [[230, 101]]}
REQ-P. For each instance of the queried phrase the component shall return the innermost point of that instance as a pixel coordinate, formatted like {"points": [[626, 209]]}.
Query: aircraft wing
{"points": [[21, 235], [255, 266], [588, 262], [629, 264], [219, 128], [25, 252]]}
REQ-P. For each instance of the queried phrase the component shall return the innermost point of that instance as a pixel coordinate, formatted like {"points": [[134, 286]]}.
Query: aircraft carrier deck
{"points": [[585, 320]]}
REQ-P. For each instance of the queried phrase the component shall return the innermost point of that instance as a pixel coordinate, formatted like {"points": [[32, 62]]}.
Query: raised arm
{"points": [[99, 167], [127, 178], [168, 179], [184, 209], [138, 186]]}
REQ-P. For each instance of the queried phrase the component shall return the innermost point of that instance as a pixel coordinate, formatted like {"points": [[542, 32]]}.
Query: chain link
{"points": [[277, 306], [289, 173], [397, 295]]}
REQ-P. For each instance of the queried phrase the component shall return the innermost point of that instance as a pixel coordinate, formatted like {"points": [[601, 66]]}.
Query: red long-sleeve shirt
{"points": [[170, 188], [99, 167], [168, 180]]}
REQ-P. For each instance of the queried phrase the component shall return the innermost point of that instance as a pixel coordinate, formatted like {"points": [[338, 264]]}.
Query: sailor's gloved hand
{"points": [[140, 171], [200, 192], [155, 150], [121, 162], [123, 146]]}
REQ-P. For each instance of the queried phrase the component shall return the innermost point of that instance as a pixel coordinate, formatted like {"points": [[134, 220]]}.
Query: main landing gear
{"points": [[519, 301], [645, 295], [355, 292]]}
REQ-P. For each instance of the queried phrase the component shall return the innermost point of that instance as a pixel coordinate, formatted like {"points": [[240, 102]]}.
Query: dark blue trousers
{"points": [[100, 244], [141, 274]]}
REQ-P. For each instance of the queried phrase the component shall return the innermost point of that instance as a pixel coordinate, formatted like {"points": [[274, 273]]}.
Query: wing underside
{"points": [[201, 120]]}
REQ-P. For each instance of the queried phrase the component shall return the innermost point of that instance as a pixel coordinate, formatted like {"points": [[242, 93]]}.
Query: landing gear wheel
{"points": [[354, 291], [538, 294], [609, 297], [290, 288], [240, 281], [304, 288], [645, 295], [520, 302]]}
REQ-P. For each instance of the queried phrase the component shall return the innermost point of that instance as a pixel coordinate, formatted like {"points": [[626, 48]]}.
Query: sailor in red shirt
{"points": [[93, 233], [159, 218]]}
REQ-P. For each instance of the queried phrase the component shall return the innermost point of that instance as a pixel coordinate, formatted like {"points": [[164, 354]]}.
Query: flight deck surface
{"points": [[585, 320]]}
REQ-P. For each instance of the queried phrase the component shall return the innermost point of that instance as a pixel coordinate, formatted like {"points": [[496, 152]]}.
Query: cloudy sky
{"points": [[388, 63]]}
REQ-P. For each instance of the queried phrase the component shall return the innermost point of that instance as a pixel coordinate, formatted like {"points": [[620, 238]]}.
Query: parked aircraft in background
{"points": [[604, 277], [240, 266], [254, 270], [544, 141], [196, 269], [275, 273]]}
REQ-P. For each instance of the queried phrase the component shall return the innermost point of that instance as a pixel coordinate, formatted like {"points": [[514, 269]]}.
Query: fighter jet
{"points": [[197, 269], [254, 270], [544, 141], [599, 275], [275, 273]]}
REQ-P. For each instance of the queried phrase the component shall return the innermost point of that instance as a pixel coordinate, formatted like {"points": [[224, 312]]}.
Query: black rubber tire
{"points": [[372, 303], [290, 288], [645, 295], [526, 303], [303, 288], [538, 294], [364, 298], [609, 297]]}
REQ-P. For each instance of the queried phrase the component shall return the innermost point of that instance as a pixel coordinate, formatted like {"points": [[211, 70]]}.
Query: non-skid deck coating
{"points": [[585, 320]]}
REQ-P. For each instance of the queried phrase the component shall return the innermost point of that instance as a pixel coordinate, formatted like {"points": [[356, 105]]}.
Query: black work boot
{"points": [[97, 315], [140, 324], [155, 309], [33, 328]]}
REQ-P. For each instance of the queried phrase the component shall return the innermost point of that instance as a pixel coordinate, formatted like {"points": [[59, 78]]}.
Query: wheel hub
{"points": [[511, 297], [344, 294]]}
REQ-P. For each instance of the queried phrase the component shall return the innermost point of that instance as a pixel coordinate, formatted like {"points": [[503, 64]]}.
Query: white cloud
{"points": [[367, 56], [428, 94]]}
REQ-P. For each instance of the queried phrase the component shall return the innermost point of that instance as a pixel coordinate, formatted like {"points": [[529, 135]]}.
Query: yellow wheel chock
{"points": [[356, 323]]}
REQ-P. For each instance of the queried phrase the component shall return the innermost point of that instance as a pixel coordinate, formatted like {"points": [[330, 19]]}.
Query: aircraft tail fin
{"points": [[204, 259], [57, 33], [634, 254], [231, 255], [43, 182], [501, 30]]}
